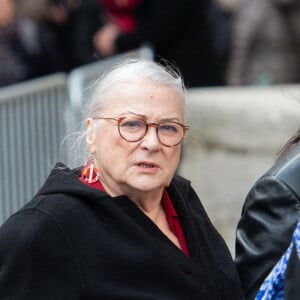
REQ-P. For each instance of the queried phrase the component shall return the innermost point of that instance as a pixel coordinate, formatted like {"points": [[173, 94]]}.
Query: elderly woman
{"points": [[123, 226]]}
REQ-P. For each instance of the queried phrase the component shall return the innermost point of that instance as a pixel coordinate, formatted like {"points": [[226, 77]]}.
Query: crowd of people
{"points": [[40, 37], [254, 44], [68, 33]]}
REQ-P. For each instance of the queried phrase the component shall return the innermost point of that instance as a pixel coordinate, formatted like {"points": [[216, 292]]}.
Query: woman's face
{"points": [[146, 165]]}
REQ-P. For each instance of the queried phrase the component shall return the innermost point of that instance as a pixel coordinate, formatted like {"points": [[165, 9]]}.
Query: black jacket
{"points": [[269, 217], [184, 33], [75, 242]]}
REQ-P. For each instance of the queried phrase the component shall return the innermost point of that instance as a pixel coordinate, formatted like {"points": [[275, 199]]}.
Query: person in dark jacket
{"points": [[269, 217], [188, 33], [123, 226]]}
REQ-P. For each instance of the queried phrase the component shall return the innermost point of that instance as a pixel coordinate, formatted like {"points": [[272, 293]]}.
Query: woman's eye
{"points": [[133, 124], [168, 128]]}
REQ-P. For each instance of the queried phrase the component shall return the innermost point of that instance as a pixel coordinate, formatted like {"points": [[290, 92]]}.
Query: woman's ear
{"points": [[90, 134]]}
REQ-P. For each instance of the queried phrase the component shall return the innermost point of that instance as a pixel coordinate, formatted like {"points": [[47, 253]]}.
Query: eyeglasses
{"points": [[132, 129]]}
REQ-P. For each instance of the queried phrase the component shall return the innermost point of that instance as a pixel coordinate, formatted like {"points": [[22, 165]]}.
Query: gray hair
{"points": [[131, 70], [103, 89]]}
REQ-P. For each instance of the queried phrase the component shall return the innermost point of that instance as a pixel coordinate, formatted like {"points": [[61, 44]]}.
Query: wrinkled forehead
{"points": [[146, 90], [146, 96]]}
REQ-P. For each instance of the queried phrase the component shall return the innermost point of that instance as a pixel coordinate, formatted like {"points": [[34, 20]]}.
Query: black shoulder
{"points": [[35, 250], [287, 170], [181, 182]]}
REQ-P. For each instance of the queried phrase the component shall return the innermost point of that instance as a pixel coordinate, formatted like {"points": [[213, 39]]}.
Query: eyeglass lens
{"points": [[169, 133]]}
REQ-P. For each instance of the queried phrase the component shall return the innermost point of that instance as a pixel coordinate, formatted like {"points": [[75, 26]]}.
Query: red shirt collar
{"points": [[171, 214]]}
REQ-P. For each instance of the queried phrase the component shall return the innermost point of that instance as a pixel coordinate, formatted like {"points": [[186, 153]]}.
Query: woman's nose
{"points": [[151, 140]]}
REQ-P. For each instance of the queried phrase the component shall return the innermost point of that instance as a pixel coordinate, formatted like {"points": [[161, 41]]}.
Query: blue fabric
{"points": [[273, 286]]}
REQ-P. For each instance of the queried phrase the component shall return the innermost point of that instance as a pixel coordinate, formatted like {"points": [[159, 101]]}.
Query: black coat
{"points": [[184, 33], [75, 242], [269, 217]]}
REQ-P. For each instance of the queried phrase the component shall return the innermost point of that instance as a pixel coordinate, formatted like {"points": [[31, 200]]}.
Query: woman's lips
{"points": [[143, 165], [147, 166]]}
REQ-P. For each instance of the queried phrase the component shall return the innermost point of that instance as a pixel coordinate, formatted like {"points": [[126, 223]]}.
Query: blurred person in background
{"points": [[265, 43], [191, 34], [27, 49], [13, 63], [73, 23], [69, 24]]}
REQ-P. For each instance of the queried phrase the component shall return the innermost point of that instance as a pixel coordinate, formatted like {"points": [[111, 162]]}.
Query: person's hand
{"points": [[104, 40], [7, 12]]}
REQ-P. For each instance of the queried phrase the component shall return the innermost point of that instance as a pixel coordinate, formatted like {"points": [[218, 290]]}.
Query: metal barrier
{"points": [[32, 127]]}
